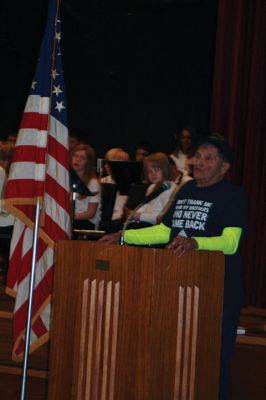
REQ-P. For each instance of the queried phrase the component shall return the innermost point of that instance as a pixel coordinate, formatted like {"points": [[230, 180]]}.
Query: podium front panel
{"points": [[135, 323]]}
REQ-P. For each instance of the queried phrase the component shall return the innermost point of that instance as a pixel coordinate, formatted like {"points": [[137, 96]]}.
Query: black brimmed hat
{"points": [[220, 143]]}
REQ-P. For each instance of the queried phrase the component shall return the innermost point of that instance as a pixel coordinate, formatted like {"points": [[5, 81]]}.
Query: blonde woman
{"points": [[157, 170]]}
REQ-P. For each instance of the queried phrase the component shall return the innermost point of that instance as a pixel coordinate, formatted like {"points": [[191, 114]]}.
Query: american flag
{"points": [[39, 170]]}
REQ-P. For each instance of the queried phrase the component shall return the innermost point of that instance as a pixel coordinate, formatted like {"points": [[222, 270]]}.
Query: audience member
{"points": [[142, 150], [87, 208], [184, 150], [158, 172], [75, 136], [116, 154], [7, 150], [12, 137]]}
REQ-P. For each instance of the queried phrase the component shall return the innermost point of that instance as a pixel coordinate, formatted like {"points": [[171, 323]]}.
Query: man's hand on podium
{"points": [[111, 238], [180, 245]]}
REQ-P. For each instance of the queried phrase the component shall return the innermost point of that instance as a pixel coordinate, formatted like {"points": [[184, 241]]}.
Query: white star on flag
{"points": [[59, 106], [58, 36], [57, 90], [54, 73]]}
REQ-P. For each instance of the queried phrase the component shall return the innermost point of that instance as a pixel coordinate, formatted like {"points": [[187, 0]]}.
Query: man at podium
{"points": [[208, 213]]}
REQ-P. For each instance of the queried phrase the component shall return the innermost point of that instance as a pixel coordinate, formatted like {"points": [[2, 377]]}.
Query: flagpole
{"points": [[31, 289]]}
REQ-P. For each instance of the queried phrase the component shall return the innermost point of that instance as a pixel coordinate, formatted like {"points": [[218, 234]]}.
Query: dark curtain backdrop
{"points": [[239, 111], [134, 69]]}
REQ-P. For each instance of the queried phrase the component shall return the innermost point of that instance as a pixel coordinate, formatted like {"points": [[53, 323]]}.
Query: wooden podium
{"points": [[132, 323]]}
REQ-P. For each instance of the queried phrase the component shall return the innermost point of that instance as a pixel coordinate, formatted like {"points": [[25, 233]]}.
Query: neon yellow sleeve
{"points": [[227, 243], [157, 234]]}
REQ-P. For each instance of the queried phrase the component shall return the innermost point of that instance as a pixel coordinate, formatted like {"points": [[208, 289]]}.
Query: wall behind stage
{"points": [[132, 72]]}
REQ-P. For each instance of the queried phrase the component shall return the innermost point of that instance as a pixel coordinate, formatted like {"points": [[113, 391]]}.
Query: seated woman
{"points": [[157, 170], [184, 150], [87, 210]]}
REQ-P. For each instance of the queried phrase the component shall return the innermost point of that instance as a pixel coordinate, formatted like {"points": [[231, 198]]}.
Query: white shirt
{"points": [[181, 162], [150, 211], [81, 204]]}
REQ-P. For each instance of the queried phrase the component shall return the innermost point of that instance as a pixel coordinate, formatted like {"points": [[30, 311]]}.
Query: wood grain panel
{"points": [[99, 321], [135, 323], [186, 345], [194, 343], [82, 338], [188, 301], [106, 339], [35, 373], [179, 343], [114, 341], [203, 273]]}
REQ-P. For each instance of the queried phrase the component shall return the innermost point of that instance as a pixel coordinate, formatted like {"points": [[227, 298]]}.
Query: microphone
{"points": [[164, 186], [155, 193], [78, 186]]}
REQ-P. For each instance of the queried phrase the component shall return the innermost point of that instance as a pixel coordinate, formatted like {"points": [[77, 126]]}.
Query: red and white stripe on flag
{"points": [[39, 171]]}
